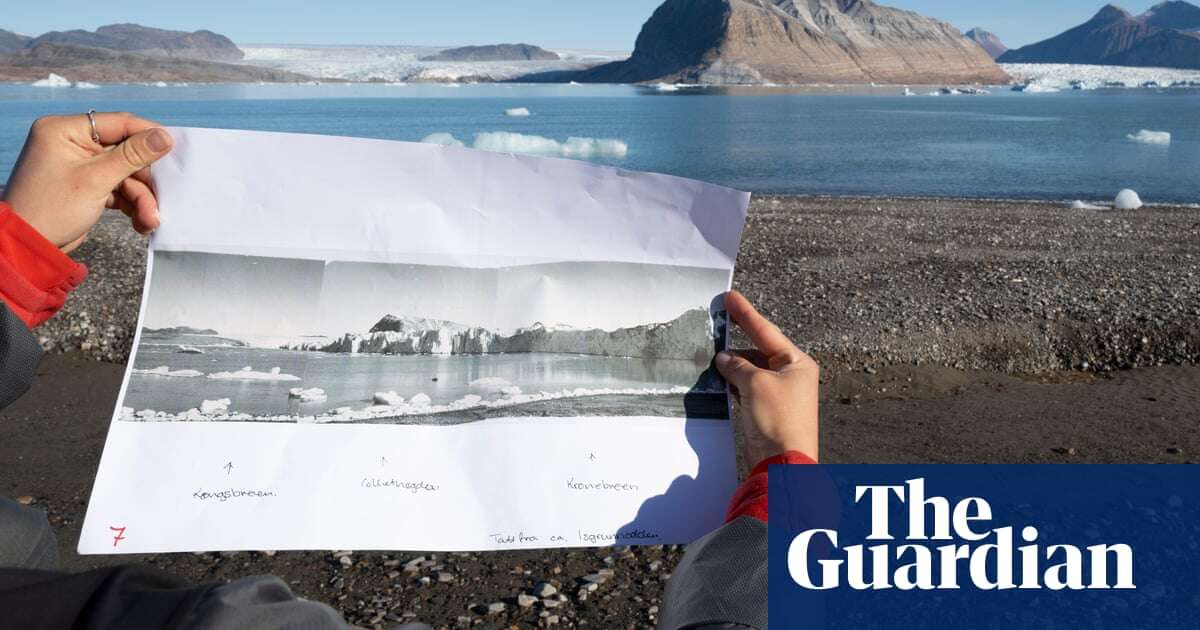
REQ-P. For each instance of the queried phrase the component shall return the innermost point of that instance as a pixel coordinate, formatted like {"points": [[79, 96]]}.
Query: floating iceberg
{"points": [[1036, 88], [443, 139], [166, 371], [509, 142], [312, 395], [1146, 136], [667, 87], [420, 400], [214, 407], [390, 399], [1127, 200], [517, 112], [185, 349], [52, 81], [84, 85], [248, 374], [160, 84], [1083, 205]]}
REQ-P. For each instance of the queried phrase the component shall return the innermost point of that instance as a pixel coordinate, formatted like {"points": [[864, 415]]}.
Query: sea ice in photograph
{"points": [[355, 342], [526, 144], [517, 112]]}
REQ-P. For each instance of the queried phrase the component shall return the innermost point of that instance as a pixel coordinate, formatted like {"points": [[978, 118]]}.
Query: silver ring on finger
{"points": [[91, 114]]}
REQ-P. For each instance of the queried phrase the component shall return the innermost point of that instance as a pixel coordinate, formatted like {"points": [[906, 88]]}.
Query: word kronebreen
{"points": [[992, 566]]}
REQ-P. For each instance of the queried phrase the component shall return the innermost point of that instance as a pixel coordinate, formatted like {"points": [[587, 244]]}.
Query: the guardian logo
{"points": [[974, 554]]}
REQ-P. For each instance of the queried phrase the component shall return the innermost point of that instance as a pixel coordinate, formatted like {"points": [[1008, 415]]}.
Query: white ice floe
{"points": [[185, 349], [419, 405], [163, 370], [444, 139], [212, 407], [248, 374], [389, 399], [508, 142], [311, 395], [84, 85], [517, 112], [908, 92], [52, 81], [160, 84], [1146, 136], [1127, 200], [1083, 205], [667, 87]]}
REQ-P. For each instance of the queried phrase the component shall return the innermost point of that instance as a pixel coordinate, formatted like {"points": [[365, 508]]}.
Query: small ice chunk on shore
{"points": [[1083, 205], [517, 112], [52, 81], [420, 400], [391, 399], [248, 374], [311, 395], [1127, 200], [1146, 136], [215, 407]]}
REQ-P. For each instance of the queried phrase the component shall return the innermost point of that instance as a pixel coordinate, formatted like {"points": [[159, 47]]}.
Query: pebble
{"points": [[25, 500], [496, 608], [544, 589], [525, 601]]}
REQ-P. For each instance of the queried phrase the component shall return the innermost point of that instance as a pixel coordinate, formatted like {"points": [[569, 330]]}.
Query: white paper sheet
{"points": [[359, 344]]}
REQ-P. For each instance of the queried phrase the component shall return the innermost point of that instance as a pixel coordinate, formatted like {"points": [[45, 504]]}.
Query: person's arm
{"points": [[62, 182], [721, 582]]}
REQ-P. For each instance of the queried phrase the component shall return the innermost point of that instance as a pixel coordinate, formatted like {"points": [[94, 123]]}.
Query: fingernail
{"points": [[158, 141]]}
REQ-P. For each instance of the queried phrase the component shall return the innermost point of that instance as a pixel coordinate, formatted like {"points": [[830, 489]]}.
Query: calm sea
{"points": [[867, 142]]}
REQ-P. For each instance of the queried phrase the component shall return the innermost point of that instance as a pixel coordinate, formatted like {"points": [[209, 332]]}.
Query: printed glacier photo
{"points": [[255, 339]]}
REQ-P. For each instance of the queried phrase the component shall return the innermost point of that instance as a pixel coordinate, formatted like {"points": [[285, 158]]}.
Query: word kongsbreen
{"points": [[996, 565]]}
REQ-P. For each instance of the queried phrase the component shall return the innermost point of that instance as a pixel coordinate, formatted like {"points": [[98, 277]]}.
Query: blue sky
{"points": [[603, 24]]}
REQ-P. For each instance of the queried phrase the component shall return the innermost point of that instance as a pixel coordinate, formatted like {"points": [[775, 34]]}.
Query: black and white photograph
{"points": [[229, 338]]}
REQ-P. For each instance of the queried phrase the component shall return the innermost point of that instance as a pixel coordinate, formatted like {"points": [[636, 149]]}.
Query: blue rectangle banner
{"points": [[984, 547]]}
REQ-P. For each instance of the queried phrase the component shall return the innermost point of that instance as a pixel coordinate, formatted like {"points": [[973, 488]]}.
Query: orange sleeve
{"points": [[35, 277]]}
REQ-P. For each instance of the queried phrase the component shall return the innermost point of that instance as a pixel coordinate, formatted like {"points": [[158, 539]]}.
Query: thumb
{"points": [[736, 369], [134, 154]]}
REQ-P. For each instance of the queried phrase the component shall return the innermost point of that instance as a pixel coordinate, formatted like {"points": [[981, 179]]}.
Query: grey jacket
{"points": [[19, 357]]}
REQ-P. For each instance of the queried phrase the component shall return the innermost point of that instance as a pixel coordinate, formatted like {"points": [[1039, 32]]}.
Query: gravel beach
{"points": [[949, 331]]}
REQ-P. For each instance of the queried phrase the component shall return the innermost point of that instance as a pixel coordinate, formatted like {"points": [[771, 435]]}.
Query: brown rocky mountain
{"points": [[495, 52], [10, 41], [205, 45], [988, 41], [1174, 14], [1115, 37], [98, 65], [797, 41]]}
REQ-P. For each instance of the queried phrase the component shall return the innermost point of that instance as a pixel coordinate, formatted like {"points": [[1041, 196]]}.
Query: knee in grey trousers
{"points": [[26, 539]]}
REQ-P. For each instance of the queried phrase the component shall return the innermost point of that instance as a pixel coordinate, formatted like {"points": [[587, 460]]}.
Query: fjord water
{"points": [[772, 140]]}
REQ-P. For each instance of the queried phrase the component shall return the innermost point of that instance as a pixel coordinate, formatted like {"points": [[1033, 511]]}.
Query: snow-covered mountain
{"points": [[687, 337]]}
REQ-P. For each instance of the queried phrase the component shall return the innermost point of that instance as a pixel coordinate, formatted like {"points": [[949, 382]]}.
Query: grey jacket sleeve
{"points": [[19, 357], [721, 583]]}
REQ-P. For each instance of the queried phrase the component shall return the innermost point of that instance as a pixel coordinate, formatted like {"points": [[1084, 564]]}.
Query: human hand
{"points": [[64, 179], [777, 386]]}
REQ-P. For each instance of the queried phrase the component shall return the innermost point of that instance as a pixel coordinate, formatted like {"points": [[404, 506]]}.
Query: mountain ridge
{"points": [[1116, 37], [687, 337], [494, 52], [990, 43], [797, 42]]}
